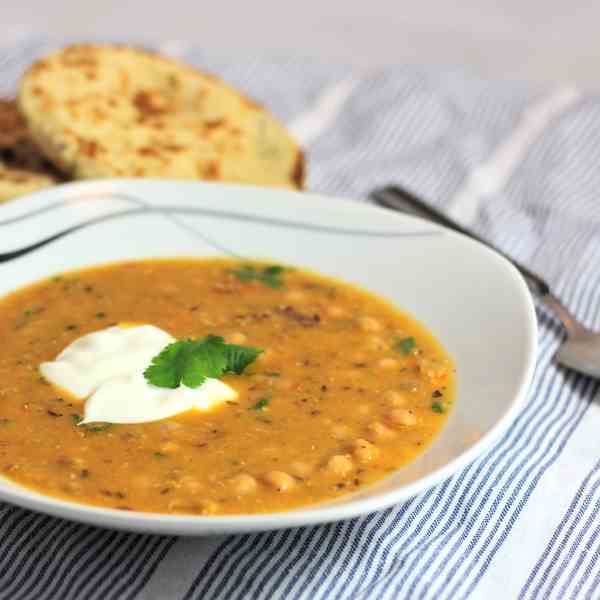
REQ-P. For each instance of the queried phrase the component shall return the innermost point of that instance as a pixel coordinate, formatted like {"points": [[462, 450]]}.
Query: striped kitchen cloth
{"points": [[517, 163]]}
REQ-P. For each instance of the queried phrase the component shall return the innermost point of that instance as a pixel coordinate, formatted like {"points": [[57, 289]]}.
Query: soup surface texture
{"points": [[347, 390]]}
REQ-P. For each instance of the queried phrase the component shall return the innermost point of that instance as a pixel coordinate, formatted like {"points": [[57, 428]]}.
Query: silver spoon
{"points": [[580, 351]]}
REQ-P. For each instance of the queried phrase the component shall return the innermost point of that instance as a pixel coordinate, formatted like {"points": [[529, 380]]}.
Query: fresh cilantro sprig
{"points": [[270, 276], [191, 362]]}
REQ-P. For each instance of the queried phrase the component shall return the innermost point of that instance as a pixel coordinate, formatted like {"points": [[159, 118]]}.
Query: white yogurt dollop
{"points": [[107, 367]]}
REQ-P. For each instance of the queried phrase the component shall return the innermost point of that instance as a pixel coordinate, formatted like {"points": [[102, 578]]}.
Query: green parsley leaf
{"points": [[270, 276], [261, 404], [206, 358], [405, 345], [76, 418], [190, 362], [437, 407], [239, 357]]}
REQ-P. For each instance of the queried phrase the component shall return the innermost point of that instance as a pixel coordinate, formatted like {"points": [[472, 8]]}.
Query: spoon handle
{"points": [[404, 201]]}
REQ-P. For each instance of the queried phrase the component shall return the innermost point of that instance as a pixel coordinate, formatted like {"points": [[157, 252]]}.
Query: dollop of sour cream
{"points": [[106, 368]]}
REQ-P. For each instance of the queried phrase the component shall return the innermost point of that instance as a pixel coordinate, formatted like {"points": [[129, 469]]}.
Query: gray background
{"points": [[542, 40]]}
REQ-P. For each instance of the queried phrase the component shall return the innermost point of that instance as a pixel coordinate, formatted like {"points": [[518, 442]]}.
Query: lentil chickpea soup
{"points": [[346, 390]]}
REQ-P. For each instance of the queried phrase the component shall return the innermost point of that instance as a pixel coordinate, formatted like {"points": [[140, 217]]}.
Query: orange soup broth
{"points": [[347, 390]]}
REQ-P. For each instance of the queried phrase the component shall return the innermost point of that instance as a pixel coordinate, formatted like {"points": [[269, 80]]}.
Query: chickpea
{"points": [[369, 324], [283, 384], [364, 451], [363, 409], [434, 369], [380, 431], [191, 484], [237, 338], [337, 312], [388, 363], [340, 431], [394, 398], [300, 469], [177, 505], [142, 481], [359, 357], [350, 375], [340, 465], [209, 507], [376, 343], [411, 385], [280, 481], [266, 356], [168, 288], [72, 487], [403, 416], [170, 447], [244, 484], [170, 426], [296, 296]]}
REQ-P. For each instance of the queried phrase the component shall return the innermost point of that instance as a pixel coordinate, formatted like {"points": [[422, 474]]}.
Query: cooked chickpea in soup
{"points": [[211, 387]]}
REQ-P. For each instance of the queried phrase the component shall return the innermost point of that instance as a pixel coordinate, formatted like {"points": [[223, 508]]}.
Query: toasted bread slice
{"points": [[109, 111]]}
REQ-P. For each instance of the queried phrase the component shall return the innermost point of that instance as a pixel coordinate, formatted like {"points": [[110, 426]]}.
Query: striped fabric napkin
{"points": [[519, 165]]}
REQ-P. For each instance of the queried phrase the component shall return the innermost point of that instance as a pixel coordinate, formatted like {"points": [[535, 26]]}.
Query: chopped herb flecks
{"points": [[26, 316], [159, 455], [93, 428], [98, 428], [270, 276], [405, 345], [100, 315], [438, 407], [261, 404]]}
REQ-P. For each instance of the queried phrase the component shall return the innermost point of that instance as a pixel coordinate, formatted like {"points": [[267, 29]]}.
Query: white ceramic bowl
{"points": [[473, 300]]}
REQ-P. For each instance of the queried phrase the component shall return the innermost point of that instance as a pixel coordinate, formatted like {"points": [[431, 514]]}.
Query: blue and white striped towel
{"points": [[521, 166]]}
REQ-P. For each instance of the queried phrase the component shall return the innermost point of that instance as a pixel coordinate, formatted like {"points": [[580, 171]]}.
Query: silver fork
{"points": [[581, 349]]}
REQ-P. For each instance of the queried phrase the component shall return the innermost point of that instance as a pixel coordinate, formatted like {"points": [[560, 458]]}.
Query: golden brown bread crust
{"points": [[111, 111], [16, 147], [299, 172], [23, 168]]}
